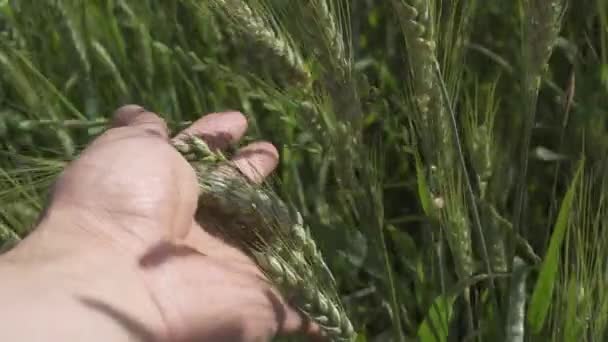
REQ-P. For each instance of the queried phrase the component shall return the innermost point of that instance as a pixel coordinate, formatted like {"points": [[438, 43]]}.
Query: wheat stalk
{"points": [[441, 145], [418, 32], [515, 327], [336, 64], [481, 146], [253, 24], [70, 21], [26, 125], [106, 60], [417, 26], [541, 28], [331, 33], [435, 126], [543, 18]]}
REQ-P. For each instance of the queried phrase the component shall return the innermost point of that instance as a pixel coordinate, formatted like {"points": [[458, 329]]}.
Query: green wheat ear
{"points": [[274, 235], [256, 26]]}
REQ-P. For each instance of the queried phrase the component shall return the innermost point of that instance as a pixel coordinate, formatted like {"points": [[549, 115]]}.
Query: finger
{"points": [[218, 130], [137, 116], [294, 322], [257, 160]]}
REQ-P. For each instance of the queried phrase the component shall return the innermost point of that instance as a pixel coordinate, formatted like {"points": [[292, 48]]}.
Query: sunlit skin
{"points": [[118, 256]]}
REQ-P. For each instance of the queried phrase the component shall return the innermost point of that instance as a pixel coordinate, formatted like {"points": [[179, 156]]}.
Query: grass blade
{"points": [[543, 290], [435, 326]]}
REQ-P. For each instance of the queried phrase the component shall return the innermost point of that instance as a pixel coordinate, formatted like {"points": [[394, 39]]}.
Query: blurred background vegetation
{"points": [[450, 156]]}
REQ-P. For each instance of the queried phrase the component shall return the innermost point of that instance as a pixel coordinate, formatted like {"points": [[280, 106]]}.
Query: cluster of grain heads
{"points": [[481, 149], [328, 23], [541, 22], [438, 128], [416, 23], [438, 132], [480, 145], [329, 46], [301, 237], [433, 121], [254, 217], [542, 25], [458, 227], [257, 26], [434, 126]]}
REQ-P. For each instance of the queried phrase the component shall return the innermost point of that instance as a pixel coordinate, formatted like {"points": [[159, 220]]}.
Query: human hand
{"points": [[118, 256]]}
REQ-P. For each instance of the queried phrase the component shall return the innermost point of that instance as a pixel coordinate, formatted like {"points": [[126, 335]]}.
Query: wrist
{"points": [[49, 294]]}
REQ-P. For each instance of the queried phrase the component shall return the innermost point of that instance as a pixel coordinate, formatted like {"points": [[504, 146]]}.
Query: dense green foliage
{"points": [[431, 145]]}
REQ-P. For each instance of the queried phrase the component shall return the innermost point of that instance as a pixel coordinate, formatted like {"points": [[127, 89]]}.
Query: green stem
{"points": [[393, 292]]}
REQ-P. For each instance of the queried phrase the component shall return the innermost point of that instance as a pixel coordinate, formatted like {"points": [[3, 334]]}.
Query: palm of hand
{"points": [[127, 206]]}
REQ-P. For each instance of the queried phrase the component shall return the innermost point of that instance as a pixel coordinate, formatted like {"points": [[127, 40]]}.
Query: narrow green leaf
{"points": [[106, 59], [70, 20], [543, 290], [361, 338], [435, 326], [424, 193], [572, 326]]}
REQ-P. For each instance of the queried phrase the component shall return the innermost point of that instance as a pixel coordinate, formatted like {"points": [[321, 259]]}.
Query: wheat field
{"points": [[447, 159]]}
